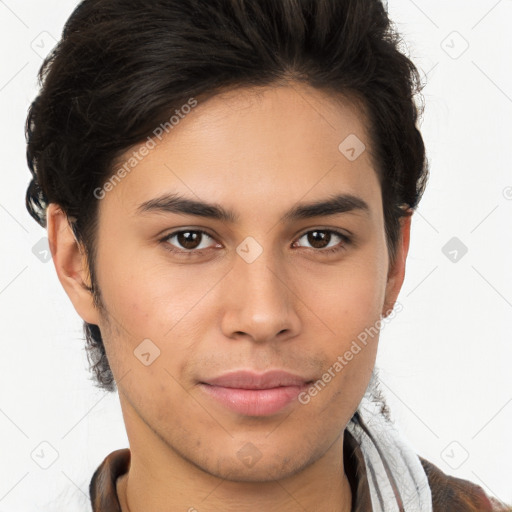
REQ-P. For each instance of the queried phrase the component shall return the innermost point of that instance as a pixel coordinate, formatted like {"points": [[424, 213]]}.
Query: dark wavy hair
{"points": [[122, 66]]}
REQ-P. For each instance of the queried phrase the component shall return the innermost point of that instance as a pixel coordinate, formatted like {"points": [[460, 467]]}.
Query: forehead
{"points": [[251, 144]]}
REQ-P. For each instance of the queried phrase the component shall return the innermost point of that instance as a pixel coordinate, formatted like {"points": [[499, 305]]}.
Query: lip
{"points": [[255, 394]]}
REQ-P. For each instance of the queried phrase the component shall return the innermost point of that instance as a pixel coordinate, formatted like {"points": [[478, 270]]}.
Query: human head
{"points": [[105, 90]]}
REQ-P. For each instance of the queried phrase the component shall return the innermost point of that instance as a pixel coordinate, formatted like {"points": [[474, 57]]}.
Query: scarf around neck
{"points": [[396, 477]]}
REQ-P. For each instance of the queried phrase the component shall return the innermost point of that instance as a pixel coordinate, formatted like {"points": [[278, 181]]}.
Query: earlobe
{"points": [[70, 263], [396, 274]]}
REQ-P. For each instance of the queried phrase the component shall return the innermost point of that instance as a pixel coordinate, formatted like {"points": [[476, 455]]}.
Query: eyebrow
{"points": [[174, 203]]}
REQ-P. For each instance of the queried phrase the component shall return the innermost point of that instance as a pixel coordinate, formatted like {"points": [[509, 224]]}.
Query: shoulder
{"points": [[451, 494], [102, 488]]}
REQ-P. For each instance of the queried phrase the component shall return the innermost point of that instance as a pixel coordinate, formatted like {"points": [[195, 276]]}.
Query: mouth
{"points": [[253, 394]]}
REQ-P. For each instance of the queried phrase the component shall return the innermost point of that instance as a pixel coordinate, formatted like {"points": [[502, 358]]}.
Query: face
{"points": [[191, 297]]}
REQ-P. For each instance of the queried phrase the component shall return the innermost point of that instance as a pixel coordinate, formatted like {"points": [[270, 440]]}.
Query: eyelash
{"points": [[346, 240]]}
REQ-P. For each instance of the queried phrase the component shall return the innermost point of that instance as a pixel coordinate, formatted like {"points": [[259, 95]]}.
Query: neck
{"points": [[160, 479], [139, 493]]}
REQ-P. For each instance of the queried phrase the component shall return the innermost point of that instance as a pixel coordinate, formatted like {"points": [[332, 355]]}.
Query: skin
{"points": [[258, 152]]}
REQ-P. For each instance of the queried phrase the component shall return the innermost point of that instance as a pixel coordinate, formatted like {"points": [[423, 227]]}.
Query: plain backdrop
{"points": [[444, 360]]}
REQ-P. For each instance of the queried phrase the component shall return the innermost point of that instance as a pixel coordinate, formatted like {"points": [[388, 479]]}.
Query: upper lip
{"points": [[244, 379]]}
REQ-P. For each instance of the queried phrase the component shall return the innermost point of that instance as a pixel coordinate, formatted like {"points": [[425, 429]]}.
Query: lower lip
{"points": [[254, 402]]}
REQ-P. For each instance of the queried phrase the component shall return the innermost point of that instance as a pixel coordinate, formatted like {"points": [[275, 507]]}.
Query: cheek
{"points": [[350, 306], [157, 313], [348, 298], [149, 296]]}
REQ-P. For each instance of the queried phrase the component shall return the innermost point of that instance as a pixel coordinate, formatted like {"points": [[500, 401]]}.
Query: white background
{"points": [[444, 360]]}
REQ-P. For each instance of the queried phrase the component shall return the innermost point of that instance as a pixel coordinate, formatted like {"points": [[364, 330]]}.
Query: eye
{"points": [[187, 240], [326, 240]]}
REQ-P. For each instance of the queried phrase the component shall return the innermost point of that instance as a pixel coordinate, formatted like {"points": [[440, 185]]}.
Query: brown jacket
{"points": [[449, 494]]}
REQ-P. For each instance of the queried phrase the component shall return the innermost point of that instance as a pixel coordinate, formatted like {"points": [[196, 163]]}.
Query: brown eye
{"points": [[326, 240], [188, 240], [319, 239]]}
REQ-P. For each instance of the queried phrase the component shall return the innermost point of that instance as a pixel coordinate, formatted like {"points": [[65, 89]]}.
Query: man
{"points": [[228, 190]]}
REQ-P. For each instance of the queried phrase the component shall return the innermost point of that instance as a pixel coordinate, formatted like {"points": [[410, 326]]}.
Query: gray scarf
{"points": [[396, 478]]}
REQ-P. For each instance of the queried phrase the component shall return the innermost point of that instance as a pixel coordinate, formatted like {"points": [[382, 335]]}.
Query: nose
{"points": [[259, 301]]}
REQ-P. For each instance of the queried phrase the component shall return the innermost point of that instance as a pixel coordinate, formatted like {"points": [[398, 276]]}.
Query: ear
{"points": [[70, 263], [396, 273]]}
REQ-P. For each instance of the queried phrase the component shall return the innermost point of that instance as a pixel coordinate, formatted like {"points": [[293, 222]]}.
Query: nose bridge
{"points": [[260, 302], [263, 280]]}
